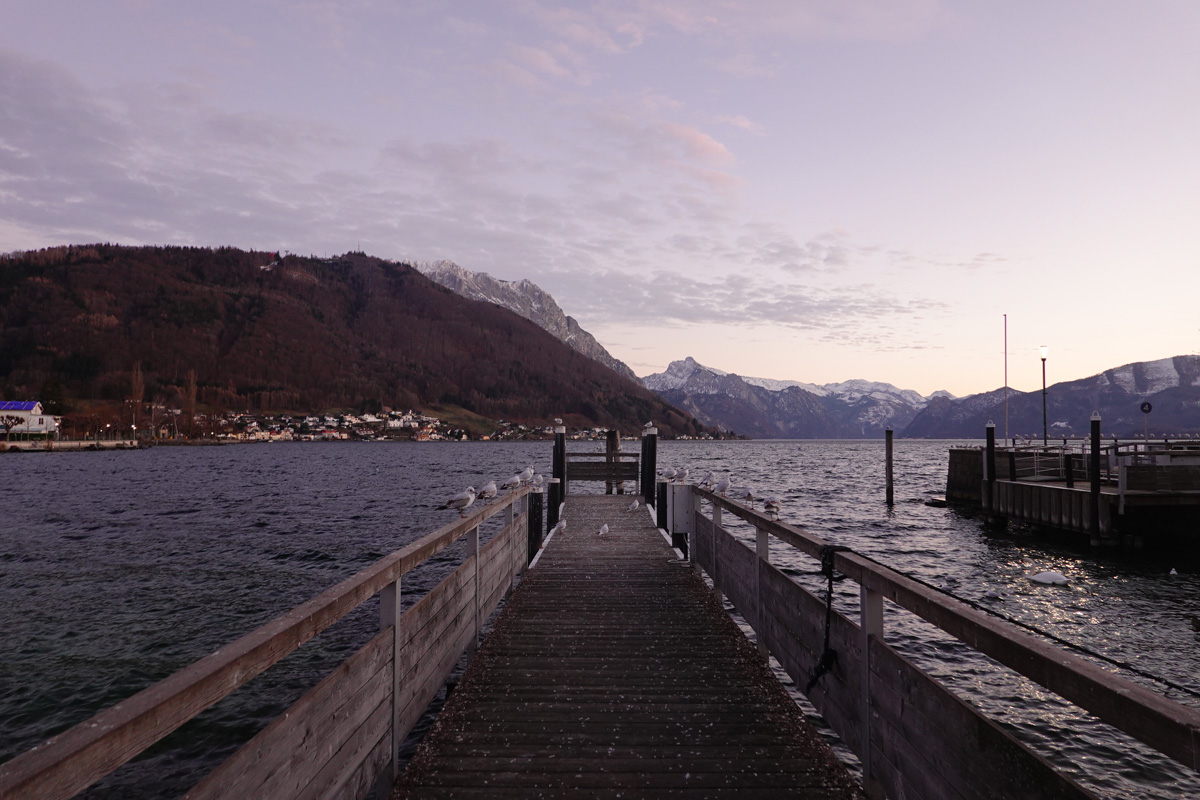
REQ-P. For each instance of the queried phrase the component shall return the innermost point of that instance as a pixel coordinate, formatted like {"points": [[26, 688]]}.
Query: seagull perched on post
{"points": [[558, 421], [488, 491], [462, 501]]}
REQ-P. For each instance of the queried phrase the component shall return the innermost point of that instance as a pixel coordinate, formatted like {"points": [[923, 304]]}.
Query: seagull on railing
{"points": [[743, 493], [680, 475], [705, 481], [537, 480], [488, 491], [634, 505], [511, 483], [526, 475], [461, 501], [722, 486], [771, 505]]}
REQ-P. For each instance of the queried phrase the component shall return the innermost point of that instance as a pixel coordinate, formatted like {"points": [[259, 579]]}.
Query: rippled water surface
{"points": [[117, 569]]}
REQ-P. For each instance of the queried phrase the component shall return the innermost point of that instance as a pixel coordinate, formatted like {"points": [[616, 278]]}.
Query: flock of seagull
{"points": [[710, 483], [466, 498], [724, 487]]}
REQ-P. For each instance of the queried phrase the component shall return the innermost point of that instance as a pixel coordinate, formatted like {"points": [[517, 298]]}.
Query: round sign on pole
{"points": [[1146, 407]]}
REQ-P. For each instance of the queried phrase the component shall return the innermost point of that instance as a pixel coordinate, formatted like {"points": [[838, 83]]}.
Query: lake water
{"points": [[117, 569]]}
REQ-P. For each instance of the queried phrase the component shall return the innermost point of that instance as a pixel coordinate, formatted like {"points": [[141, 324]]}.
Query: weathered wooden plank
{"points": [[653, 668], [1169, 727], [793, 628], [963, 748], [67, 763], [344, 765], [423, 684], [287, 753], [739, 573]]}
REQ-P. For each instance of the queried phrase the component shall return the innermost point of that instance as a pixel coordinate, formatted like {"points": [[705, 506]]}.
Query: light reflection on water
{"points": [[1127, 607], [120, 568]]}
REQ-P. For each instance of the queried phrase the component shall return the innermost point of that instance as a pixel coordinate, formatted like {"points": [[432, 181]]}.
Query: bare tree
{"points": [[191, 402], [10, 421], [137, 391]]}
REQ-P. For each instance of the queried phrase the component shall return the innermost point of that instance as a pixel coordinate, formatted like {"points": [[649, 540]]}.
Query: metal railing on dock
{"points": [[342, 737], [914, 737]]}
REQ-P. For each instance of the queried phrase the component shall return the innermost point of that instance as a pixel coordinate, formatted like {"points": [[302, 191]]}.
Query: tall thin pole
{"points": [[1006, 378], [1045, 438]]}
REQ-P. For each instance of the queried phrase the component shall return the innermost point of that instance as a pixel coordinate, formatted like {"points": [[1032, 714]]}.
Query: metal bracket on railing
{"points": [[828, 658]]}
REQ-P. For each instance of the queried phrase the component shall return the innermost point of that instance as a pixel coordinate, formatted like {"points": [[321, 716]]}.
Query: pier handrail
{"points": [[1169, 727], [73, 760]]}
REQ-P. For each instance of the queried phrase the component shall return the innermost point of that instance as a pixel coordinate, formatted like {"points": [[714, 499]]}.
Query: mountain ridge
{"points": [[864, 409], [527, 299]]}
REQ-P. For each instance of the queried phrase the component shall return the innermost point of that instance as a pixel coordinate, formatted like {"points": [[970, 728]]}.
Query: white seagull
{"points": [[462, 501], [771, 505], [633, 506], [706, 480], [680, 475], [488, 491], [537, 480], [558, 421], [525, 475], [511, 483], [722, 486], [604, 529], [559, 528], [743, 493]]}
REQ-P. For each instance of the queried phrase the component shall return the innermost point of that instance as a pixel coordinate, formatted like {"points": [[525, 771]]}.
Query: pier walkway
{"points": [[615, 673]]}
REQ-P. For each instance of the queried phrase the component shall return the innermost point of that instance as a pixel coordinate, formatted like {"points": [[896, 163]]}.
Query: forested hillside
{"points": [[291, 333]]}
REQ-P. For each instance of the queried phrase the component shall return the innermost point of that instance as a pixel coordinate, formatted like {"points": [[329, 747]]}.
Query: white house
{"points": [[27, 419]]}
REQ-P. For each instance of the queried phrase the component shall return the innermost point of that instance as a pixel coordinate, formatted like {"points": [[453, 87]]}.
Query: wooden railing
{"points": [[342, 737], [914, 737]]}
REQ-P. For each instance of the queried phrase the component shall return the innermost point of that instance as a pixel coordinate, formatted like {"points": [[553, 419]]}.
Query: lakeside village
{"points": [[26, 426]]}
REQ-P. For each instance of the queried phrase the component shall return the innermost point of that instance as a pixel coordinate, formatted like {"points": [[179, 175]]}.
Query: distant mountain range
{"points": [[858, 409], [772, 409]]}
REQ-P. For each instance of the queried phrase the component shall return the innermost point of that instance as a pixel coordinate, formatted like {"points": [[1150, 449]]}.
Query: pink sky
{"points": [[815, 191]]}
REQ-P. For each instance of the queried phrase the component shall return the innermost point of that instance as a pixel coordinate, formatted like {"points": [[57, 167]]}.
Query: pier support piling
{"points": [[888, 449]]}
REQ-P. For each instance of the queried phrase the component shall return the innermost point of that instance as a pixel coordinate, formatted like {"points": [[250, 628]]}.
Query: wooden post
{"points": [[762, 549], [553, 501], [712, 549], [989, 472], [660, 505], [871, 624], [888, 448], [389, 617], [649, 465], [473, 550], [559, 466], [612, 449], [1094, 470], [535, 525]]}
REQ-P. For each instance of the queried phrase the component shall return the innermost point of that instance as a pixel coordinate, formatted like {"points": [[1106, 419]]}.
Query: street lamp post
{"points": [[1045, 438]]}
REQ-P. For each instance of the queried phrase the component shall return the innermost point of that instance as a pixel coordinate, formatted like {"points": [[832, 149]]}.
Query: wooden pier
{"points": [[613, 670], [615, 673], [1133, 494]]}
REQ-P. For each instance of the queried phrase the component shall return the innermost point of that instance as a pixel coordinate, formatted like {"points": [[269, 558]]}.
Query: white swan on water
{"points": [[1050, 578]]}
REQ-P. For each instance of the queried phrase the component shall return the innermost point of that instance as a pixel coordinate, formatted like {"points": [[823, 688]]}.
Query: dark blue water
{"points": [[117, 569]]}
